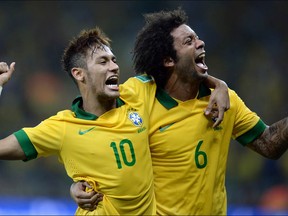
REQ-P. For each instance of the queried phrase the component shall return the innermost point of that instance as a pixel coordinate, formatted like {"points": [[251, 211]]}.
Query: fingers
{"points": [[212, 105], [84, 199], [92, 203], [218, 117], [98, 198], [216, 114], [86, 184], [211, 108], [208, 109], [6, 72], [12, 67], [227, 107], [219, 102], [88, 207], [3, 67]]}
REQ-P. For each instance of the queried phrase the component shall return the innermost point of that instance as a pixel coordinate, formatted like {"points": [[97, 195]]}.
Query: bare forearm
{"points": [[212, 82], [10, 149], [274, 140]]}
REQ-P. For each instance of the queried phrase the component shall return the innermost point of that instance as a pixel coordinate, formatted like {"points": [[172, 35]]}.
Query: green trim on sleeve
{"points": [[252, 134], [26, 145]]}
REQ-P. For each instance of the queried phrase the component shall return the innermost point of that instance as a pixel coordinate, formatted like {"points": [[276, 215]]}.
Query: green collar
{"points": [[82, 114], [168, 102]]}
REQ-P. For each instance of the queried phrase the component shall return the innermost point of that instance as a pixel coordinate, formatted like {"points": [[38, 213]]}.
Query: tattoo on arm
{"points": [[274, 140]]}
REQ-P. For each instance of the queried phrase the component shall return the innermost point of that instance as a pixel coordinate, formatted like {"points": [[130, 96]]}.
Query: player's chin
{"points": [[201, 71], [202, 74], [114, 94], [112, 90]]}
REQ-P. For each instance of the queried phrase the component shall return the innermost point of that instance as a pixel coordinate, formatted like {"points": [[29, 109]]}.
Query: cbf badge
{"points": [[135, 119]]}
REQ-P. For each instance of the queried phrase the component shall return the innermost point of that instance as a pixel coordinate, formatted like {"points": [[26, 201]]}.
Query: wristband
{"points": [[1, 89]]}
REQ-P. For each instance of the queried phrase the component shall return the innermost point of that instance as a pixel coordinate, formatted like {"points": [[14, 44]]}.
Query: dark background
{"points": [[246, 45]]}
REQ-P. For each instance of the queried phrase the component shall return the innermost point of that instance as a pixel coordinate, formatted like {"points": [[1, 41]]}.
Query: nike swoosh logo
{"points": [[82, 132], [165, 127]]}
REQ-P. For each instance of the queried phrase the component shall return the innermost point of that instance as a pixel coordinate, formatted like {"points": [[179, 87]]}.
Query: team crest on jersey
{"points": [[135, 118]]}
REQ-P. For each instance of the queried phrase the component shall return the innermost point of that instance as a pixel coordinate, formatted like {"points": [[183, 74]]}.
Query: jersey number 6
{"points": [[200, 154]]}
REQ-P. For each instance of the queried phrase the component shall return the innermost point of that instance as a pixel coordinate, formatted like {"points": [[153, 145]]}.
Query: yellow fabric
{"points": [[111, 153], [189, 156]]}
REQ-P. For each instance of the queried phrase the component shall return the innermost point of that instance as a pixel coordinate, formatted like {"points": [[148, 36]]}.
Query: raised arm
{"points": [[273, 142], [10, 148], [219, 101]]}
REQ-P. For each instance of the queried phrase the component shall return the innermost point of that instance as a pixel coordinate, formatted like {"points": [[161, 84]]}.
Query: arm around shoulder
{"points": [[219, 99]]}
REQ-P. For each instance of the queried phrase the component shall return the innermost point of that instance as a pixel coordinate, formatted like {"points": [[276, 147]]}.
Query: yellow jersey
{"points": [[189, 156], [110, 151]]}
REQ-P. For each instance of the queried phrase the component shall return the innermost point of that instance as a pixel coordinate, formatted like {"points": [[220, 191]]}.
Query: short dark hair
{"points": [[154, 43], [75, 53]]}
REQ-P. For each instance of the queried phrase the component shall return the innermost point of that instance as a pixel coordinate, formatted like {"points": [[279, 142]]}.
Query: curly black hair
{"points": [[154, 43]]}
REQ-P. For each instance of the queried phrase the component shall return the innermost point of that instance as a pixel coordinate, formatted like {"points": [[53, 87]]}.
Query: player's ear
{"points": [[78, 74], [168, 62]]}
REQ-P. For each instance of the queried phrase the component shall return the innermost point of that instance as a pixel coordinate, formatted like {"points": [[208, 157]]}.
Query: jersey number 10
{"points": [[123, 155]]}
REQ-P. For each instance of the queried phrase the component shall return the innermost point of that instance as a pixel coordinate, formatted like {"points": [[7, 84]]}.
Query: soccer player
{"points": [[103, 140], [189, 155]]}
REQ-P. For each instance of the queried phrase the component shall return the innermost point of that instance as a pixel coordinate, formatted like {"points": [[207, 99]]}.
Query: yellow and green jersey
{"points": [[110, 151], [189, 156]]}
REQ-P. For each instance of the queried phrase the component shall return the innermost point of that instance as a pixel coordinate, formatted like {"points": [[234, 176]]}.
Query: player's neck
{"points": [[181, 90], [96, 106]]}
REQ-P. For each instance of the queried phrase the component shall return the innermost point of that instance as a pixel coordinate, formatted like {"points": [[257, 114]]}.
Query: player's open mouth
{"points": [[112, 82], [200, 61]]}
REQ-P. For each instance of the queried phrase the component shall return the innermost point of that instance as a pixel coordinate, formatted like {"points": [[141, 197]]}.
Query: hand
{"points": [[219, 103], [6, 72], [85, 200]]}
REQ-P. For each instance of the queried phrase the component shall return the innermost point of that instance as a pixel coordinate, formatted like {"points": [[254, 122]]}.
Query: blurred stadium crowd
{"points": [[246, 45]]}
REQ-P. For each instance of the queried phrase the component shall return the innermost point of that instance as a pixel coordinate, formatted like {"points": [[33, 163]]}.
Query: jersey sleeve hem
{"points": [[26, 145], [252, 134]]}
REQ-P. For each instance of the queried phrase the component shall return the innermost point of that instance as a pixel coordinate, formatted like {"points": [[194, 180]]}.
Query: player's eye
{"points": [[188, 40]]}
